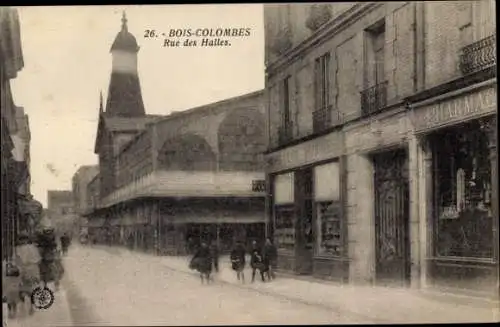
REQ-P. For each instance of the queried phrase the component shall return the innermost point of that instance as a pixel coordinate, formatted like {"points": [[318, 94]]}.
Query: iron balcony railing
{"points": [[258, 186], [374, 99], [285, 133], [479, 55], [324, 118]]}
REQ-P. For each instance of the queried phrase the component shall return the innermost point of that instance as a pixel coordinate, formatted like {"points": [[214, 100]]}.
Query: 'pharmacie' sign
{"points": [[463, 107]]}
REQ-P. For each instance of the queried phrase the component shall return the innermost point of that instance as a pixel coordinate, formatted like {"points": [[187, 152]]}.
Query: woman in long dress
{"points": [[238, 261], [202, 262]]}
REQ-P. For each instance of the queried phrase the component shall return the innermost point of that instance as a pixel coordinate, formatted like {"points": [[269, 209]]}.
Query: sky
{"points": [[67, 63]]}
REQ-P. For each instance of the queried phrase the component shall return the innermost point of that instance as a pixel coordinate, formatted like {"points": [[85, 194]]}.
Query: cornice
{"points": [[323, 33]]}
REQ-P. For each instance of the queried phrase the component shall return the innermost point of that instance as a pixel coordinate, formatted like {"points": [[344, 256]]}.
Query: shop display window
{"points": [[463, 193], [284, 232], [329, 241]]}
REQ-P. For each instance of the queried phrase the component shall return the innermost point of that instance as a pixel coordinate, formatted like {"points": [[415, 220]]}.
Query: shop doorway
{"points": [[392, 238], [305, 230]]}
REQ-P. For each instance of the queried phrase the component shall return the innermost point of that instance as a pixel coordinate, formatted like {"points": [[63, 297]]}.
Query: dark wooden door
{"points": [[392, 239]]}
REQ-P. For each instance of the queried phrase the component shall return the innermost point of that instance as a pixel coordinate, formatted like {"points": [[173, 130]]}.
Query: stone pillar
{"points": [[361, 226], [414, 223], [490, 125], [426, 199]]}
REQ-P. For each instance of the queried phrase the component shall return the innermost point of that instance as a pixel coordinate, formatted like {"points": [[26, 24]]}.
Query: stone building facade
{"points": [[167, 183], [20, 212], [81, 201], [356, 94]]}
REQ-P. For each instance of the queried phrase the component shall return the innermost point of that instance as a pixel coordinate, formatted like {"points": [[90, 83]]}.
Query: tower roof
{"points": [[124, 40]]}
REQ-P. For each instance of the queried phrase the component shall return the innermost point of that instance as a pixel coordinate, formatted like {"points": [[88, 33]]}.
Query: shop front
{"points": [[380, 200], [187, 222], [307, 208], [458, 133]]}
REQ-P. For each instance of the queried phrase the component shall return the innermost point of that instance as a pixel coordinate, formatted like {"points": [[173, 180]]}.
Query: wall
{"points": [[60, 202], [93, 188], [134, 159], [347, 67], [80, 181], [451, 25], [216, 130]]}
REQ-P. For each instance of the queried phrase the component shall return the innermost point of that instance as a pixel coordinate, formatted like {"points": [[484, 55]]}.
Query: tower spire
{"points": [[101, 108], [124, 22]]}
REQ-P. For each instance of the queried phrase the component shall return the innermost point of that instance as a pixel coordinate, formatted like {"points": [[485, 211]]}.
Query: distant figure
{"points": [[11, 287], [214, 251], [257, 262], [202, 262], [237, 257], [65, 242], [270, 256]]}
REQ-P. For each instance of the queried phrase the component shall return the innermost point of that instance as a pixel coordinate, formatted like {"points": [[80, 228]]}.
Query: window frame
{"points": [[459, 217]]}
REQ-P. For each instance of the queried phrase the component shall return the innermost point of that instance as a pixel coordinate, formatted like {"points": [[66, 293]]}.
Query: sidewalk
{"points": [[376, 304], [57, 315]]}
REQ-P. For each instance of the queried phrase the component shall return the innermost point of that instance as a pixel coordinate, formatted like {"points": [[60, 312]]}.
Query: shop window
{"points": [[328, 209], [330, 236], [284, 232], [463, 193]]}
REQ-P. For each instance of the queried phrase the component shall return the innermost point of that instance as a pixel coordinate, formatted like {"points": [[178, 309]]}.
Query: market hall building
{"points": [[381, 164], [167, 183]]}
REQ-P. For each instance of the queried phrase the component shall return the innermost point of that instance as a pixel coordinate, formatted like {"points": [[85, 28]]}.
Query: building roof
{"points": [[123, 124], [210, 106], [124, 40]]}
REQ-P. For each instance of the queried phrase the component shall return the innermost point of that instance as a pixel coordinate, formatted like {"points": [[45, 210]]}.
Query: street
{"points": [[107, 287]]}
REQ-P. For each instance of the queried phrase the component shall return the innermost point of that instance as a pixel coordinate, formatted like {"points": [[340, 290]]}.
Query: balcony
{"points": [[259, 185], [324, 118], [374, 99], [479, 55], [285, 133]]}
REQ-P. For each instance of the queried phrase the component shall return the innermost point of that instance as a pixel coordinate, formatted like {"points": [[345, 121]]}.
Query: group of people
{"points": [[36, 262], [262, 259]]}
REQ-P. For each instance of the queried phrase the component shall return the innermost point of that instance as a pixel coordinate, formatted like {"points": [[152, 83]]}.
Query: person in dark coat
{"points": [[65, 242], [214, 251], [237, 257], [202, 262], [50, 266], [257, 262], [270, 256]]}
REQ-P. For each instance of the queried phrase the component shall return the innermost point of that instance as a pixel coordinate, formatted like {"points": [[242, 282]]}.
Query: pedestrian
{"points": [[11, 287], [50, 265], [28, 260], [238, 260], [270, 256], [202, 262], [214, 251], [256, 261], [65, 242]]}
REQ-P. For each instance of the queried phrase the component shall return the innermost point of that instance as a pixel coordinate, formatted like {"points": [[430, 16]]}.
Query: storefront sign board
{"points": [[461, 108]]}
